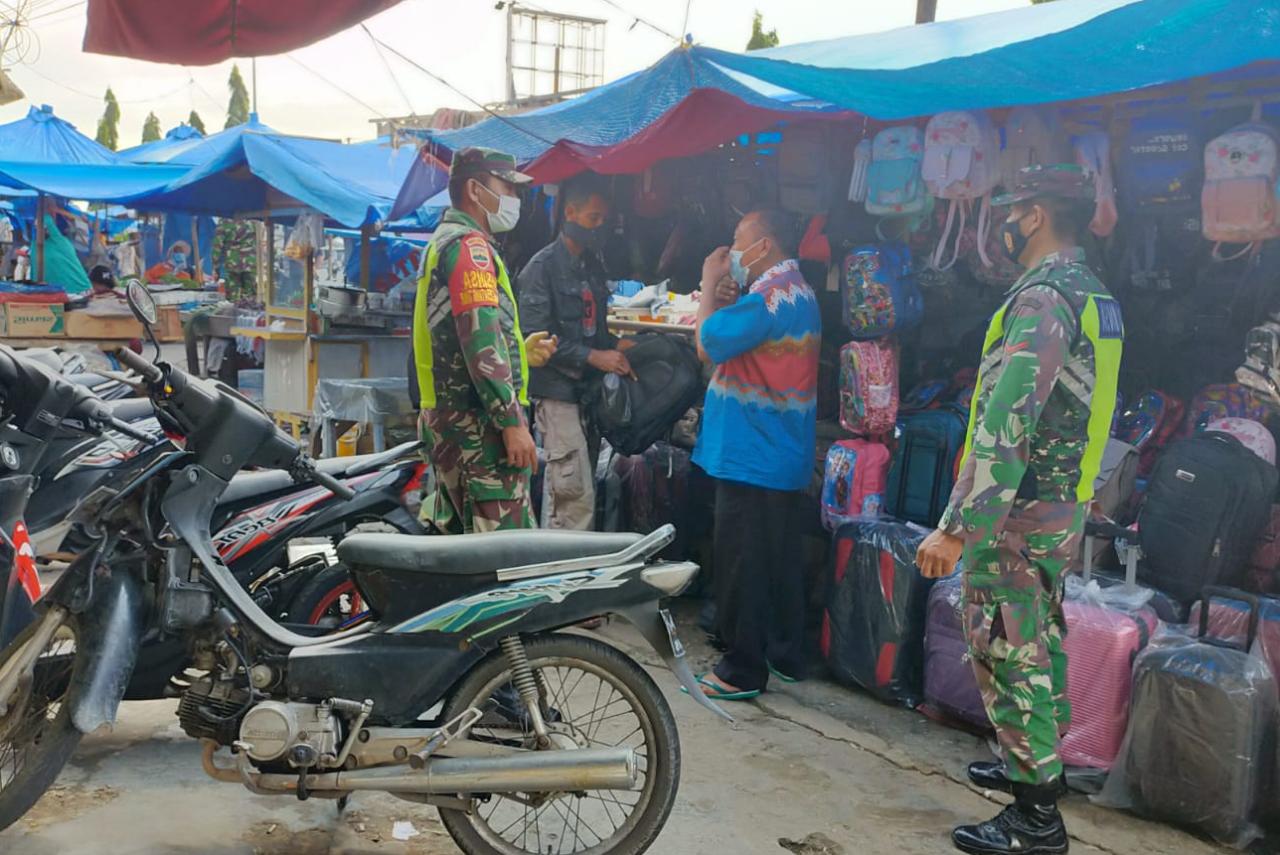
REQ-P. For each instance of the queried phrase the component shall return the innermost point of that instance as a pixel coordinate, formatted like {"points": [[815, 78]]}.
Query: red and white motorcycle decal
{"points": [[24, 562]]}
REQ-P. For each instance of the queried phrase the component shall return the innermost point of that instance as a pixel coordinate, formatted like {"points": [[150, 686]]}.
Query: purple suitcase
{"points": [[950, 687]]}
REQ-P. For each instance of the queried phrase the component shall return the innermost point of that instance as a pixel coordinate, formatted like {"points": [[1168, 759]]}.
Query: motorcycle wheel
{"points": [[329, 599], [593, 696], [37, 736]]}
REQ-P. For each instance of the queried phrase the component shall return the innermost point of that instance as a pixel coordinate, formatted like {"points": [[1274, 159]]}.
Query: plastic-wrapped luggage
{"points": [[873, 629], [950, 687], [924, 466], [1229, 621], [1199, 750]]}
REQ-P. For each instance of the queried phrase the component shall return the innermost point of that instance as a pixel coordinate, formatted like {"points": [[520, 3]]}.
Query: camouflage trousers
{"points": [[475, 490], [1015, 627]]}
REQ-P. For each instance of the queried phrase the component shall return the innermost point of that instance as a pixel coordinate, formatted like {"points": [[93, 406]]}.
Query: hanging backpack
{"points": [[1238, 203], [1032, 136], [1160, 165], [894, 185], [1093, 154], [962, 164], [1148, 424], [1261, 369], [803, 178], [861, 167], [879, 291], [1223, 401], [854, 481], [869, 386]]}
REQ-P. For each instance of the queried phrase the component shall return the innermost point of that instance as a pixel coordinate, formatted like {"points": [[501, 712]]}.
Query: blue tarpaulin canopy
{"points": [[93, 182], [171, 149], [44, 138], [189, 148], [1051, 52]]}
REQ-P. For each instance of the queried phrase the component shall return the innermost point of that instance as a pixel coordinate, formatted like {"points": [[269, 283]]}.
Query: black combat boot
{"points": [[990, 775], [1029, 826]]}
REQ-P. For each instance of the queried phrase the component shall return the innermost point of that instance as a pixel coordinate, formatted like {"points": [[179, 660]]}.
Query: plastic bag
{"points": [[1119, 597], [306, 237], [1198, 751]]}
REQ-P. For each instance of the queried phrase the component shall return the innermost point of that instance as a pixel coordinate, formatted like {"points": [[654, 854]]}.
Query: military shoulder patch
{"points": [[477, 250], [1110, 318]]}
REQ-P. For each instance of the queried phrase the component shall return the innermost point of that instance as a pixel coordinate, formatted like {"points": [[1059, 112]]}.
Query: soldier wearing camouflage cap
{"points": [[1039, 422], [470, 358]]}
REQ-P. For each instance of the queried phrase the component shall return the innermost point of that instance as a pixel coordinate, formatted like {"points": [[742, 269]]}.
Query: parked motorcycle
{"points": [[417, 702]]}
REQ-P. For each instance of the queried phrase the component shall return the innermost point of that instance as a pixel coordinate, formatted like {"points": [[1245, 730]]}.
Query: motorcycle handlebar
{"points": [[305, 469], [129, 430], [150, 372]]}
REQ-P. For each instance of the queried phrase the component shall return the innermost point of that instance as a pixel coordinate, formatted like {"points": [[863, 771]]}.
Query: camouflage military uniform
{"points": [[1046, 385], [235, 256], [473, 385]]}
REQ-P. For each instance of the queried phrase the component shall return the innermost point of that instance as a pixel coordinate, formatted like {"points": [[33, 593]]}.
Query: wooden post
{"points": [[366, 255], [926, 11], [308, 288], [271, 263], [38, 269], [195, 249]]}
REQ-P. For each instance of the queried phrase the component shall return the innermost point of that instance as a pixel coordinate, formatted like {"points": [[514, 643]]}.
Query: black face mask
{"points": [[1012, 239], [592, 239]]}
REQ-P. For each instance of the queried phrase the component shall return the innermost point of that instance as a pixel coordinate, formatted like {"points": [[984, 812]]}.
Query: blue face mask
{"points": [[178, 259], [737, 269]]}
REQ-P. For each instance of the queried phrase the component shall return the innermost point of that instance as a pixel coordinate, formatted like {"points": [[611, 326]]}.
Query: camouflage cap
{"points": [[1064, 180], [478, 161]]}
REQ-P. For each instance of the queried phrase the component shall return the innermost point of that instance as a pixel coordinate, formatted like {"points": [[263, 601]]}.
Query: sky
{"points": [[333, 88]]}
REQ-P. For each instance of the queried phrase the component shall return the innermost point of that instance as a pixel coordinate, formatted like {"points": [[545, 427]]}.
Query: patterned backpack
{"points": [[869, 386], [1032, 136], [894, 185], [879, 291], [853, 484], [1150, 422], [1223, 401], [1238, 202], [962, 164]]}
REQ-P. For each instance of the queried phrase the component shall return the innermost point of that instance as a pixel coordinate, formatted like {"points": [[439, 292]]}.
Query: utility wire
{"points": [[391, 74], [324, 79], [650, 24], [99, 97], [688, 7], [51, 12], [455, 89]]}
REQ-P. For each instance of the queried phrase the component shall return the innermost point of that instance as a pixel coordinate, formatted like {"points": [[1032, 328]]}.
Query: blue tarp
{"points": [[176, 143], [41, 137], [1062, 51], [188, 150], [93, 182]]}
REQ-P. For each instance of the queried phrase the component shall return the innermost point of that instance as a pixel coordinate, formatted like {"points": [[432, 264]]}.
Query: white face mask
{"points": [[508, 214]]}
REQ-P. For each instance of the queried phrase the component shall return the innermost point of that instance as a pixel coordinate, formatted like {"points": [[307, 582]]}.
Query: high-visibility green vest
{"points": [[1099, 324]]}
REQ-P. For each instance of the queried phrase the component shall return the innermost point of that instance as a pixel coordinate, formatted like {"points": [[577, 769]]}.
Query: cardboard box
{"points": [[85, 325], [32, 320]]}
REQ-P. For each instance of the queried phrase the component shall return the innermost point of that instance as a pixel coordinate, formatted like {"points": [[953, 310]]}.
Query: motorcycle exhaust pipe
{"points": [[534, 772]]}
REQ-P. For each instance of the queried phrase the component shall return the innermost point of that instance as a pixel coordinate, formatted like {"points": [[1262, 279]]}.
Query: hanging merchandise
{"points": [[1093, 154], [861, 166], [306, 237], [1261, 369], [1224, 401], [879, 291], [853, 482], [869, 386], [803, 179], [895, 187], [1238, 202], [1033, 136], [962, 164]]}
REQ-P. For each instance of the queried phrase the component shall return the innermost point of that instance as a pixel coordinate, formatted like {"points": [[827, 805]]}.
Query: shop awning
{"points": [[1045, 53], [680, 106], [203, 32], [41, 137], [170, 149], [91, 182]]}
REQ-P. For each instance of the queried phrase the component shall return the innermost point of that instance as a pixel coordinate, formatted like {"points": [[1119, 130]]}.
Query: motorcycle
{"points": [[459, 692]]}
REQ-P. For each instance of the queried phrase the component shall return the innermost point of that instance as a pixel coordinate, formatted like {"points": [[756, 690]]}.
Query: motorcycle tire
{"points": [[319, 600], [661, 741], [51, 743]]}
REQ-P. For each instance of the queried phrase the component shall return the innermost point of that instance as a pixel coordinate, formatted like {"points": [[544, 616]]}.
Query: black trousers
{"points": [[759, 583]]}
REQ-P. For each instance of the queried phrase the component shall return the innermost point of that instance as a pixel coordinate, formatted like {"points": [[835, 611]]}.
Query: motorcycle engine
{"points": [[304, 734], [210, 709]]}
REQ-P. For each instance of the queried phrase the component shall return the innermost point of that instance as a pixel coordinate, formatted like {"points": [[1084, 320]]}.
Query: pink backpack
{"points": [[1252, 436], [1238, 201], [1093, 154], [962, 164], [869, 386], [853, 485]]}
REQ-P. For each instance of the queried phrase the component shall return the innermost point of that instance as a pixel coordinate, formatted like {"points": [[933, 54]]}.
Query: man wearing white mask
{"points": [[763, 335], [470, 357]]}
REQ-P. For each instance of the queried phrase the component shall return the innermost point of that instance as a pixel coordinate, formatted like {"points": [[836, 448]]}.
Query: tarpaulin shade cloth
{"points": [[1050, 52], [203, 32], [175, 144], [185, 146], [93, 182], [41, 137]]}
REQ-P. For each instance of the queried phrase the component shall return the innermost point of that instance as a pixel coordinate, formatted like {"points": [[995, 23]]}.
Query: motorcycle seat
{"points": [[132, 409], [250, 485], [475, 554]]}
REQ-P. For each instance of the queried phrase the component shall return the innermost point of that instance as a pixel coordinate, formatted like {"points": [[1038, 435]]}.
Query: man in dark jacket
{"points": [[563, 292]]}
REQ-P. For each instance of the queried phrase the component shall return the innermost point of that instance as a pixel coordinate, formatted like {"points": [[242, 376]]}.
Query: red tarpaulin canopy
{"points": [[203, 32]]}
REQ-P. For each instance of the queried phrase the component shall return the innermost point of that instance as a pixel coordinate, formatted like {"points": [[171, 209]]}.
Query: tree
{"points": [[238, 107], [196, 122], [109, 124], [151, 128], [760, 38]]}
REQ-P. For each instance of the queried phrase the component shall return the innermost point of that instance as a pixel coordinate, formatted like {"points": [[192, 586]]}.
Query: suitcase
{"points": [[1200, 749], [950, 687], [1229, 621], [873, 627], [1207, 503], [1264, 566], [924, 467]]}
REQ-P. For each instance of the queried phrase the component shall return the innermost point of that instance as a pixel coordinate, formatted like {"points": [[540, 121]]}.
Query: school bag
{"points": [[1207, 502], [894, 185], [961, 164], [1148, 424], [1261, 369], [1199, 750], [1238, 203], [879, 291], [632, 414], [873, 626], [861, 167], [869, 386], [1224, 401], [1251, 434], [1093, 154], [854, 481], [803, 179], [1160, 165], [924, 465], [1032, 136]]}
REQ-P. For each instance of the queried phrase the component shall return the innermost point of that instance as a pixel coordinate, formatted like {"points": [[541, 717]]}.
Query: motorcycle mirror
{"points": [[143, 306]]}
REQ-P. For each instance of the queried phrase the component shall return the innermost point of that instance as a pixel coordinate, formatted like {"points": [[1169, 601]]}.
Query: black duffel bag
{"points": [[634, 414]]}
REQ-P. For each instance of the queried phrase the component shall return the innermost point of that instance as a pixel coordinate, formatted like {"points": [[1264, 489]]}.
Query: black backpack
{"points": [[634, 414], [1207, 502]]}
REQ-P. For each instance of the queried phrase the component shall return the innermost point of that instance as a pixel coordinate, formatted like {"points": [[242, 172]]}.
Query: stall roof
{"points": [[92, 182], [176, 142], [1043, 53], [41, 137]]}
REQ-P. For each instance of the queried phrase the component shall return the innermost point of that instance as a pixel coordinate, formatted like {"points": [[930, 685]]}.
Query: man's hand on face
{"points": [[715, 268], [727, 292], [611, 362], [521, 452], [938, 554]]}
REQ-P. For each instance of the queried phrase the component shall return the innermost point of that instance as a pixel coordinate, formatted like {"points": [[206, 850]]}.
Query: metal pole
{"points": [[926, 11], [511, 74], [254, 65]]}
